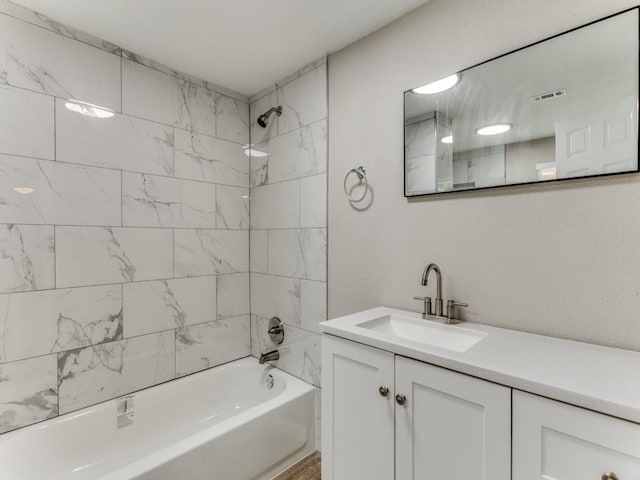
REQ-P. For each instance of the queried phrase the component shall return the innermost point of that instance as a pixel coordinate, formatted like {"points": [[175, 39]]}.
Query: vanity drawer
{"points": [[555, 441]]}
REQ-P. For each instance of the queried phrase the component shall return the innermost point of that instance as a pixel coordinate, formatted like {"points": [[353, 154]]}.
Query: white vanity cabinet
{"points": [[430, 423], [556, 441], [357, 417], [451, 426]]}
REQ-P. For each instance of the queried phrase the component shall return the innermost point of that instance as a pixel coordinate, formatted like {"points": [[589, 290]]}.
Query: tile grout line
{"points": [[56, 97], [231, 319], [121, 84], [116, 169], [133, 282], [135, 227]]}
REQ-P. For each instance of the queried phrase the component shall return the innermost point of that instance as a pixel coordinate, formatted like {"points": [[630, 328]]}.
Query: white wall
{"points": [[560, 260]]}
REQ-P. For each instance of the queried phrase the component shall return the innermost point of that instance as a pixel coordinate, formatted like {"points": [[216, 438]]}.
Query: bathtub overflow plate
{"points": [[269, 381], [276, 331]]}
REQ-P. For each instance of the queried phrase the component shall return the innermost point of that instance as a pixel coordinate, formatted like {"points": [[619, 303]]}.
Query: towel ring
{"points": [[361, 173]]}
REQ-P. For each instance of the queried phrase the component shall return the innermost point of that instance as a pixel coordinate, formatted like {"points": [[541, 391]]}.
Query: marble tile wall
{"points": [[288, 174], [124, 241]]}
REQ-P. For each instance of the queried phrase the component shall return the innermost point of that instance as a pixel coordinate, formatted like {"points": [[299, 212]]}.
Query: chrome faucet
{"points": [[427, 313], [269, 356], [425, 277]]}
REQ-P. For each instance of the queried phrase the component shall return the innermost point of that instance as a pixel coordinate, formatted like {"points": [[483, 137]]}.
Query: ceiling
{"points": [[243, 45]]}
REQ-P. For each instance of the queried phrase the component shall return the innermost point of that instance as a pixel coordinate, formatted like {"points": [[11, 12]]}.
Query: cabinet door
{"points": [[555, 441], [357, 421], [451, 426]]}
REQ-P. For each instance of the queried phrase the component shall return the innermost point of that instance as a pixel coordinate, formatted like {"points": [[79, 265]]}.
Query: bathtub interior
{"points": [[88, 444]]}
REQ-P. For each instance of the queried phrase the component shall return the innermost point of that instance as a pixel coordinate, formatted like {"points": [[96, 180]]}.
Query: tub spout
{"points": [[269, 356]]}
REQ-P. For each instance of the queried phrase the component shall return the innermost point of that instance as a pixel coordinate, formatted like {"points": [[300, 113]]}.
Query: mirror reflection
{"points": [[563, 108]]}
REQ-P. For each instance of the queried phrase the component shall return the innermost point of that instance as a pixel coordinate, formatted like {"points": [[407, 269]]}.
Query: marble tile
{"points": [[206, 252], [41, 20], [209, 344], [314, 251], [120, 142], [146, 61], [152, 201], [301, 71], [62, 193], [259, 251], [304, 101], [47, 62], [101, 255], [420, 175], [273, 296], [28, 392], [313, 304], [420, 139], [94, 374], [165, 304], [142, 60], [259, 165], [300, 153], [26, 123], [262, 93], [26, 258], [298, 253], [257, 108], [313, 201], [232, 207], [286, 253], [276, 206], [233, 295], [299, 354], [200, 157], [63, 319], [166, 99], [232, 119]]}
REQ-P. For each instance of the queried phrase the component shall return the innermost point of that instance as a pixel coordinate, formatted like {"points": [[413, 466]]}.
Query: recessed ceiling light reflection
{"points": [[496, 129], [88, 109], [438, 86], [23, 190], [254, 152], [448, 139]]}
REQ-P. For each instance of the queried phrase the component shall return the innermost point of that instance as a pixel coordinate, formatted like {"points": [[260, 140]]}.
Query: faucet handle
{"points": [[451, 310], [427, 305]]}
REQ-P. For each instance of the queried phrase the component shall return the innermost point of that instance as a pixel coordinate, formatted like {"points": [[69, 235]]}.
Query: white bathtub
{"points": [[220, 424]]}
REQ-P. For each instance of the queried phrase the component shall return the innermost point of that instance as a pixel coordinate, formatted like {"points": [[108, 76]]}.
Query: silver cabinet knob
{"points": [[610, 476], [401, 399], [384, 391]]}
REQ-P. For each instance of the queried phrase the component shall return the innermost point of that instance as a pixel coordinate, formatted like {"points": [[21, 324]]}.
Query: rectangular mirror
{"points": [[566, 107]]}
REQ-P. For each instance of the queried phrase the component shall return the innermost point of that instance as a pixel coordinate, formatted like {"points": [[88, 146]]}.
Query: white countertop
{"points": [[599, 378]]}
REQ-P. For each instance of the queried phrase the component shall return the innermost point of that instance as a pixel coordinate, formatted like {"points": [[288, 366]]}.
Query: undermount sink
{"points": [[451, 337]]}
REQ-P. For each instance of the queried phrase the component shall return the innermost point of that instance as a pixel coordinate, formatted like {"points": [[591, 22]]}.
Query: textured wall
{"points": [[288, 219], [560, 260], [127, 265]]}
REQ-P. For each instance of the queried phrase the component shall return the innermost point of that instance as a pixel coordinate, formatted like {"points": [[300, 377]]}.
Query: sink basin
{"points": [[451, 337]]}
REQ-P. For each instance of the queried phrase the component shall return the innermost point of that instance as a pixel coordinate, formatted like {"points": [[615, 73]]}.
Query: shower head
{"points": [[263, 119]]}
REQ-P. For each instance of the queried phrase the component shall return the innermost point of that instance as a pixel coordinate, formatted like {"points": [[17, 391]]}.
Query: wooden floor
{"points": [[306, 469]]}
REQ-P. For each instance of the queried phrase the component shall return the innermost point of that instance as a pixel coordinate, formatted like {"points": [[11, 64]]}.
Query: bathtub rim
{"points": [[295, 388]]}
